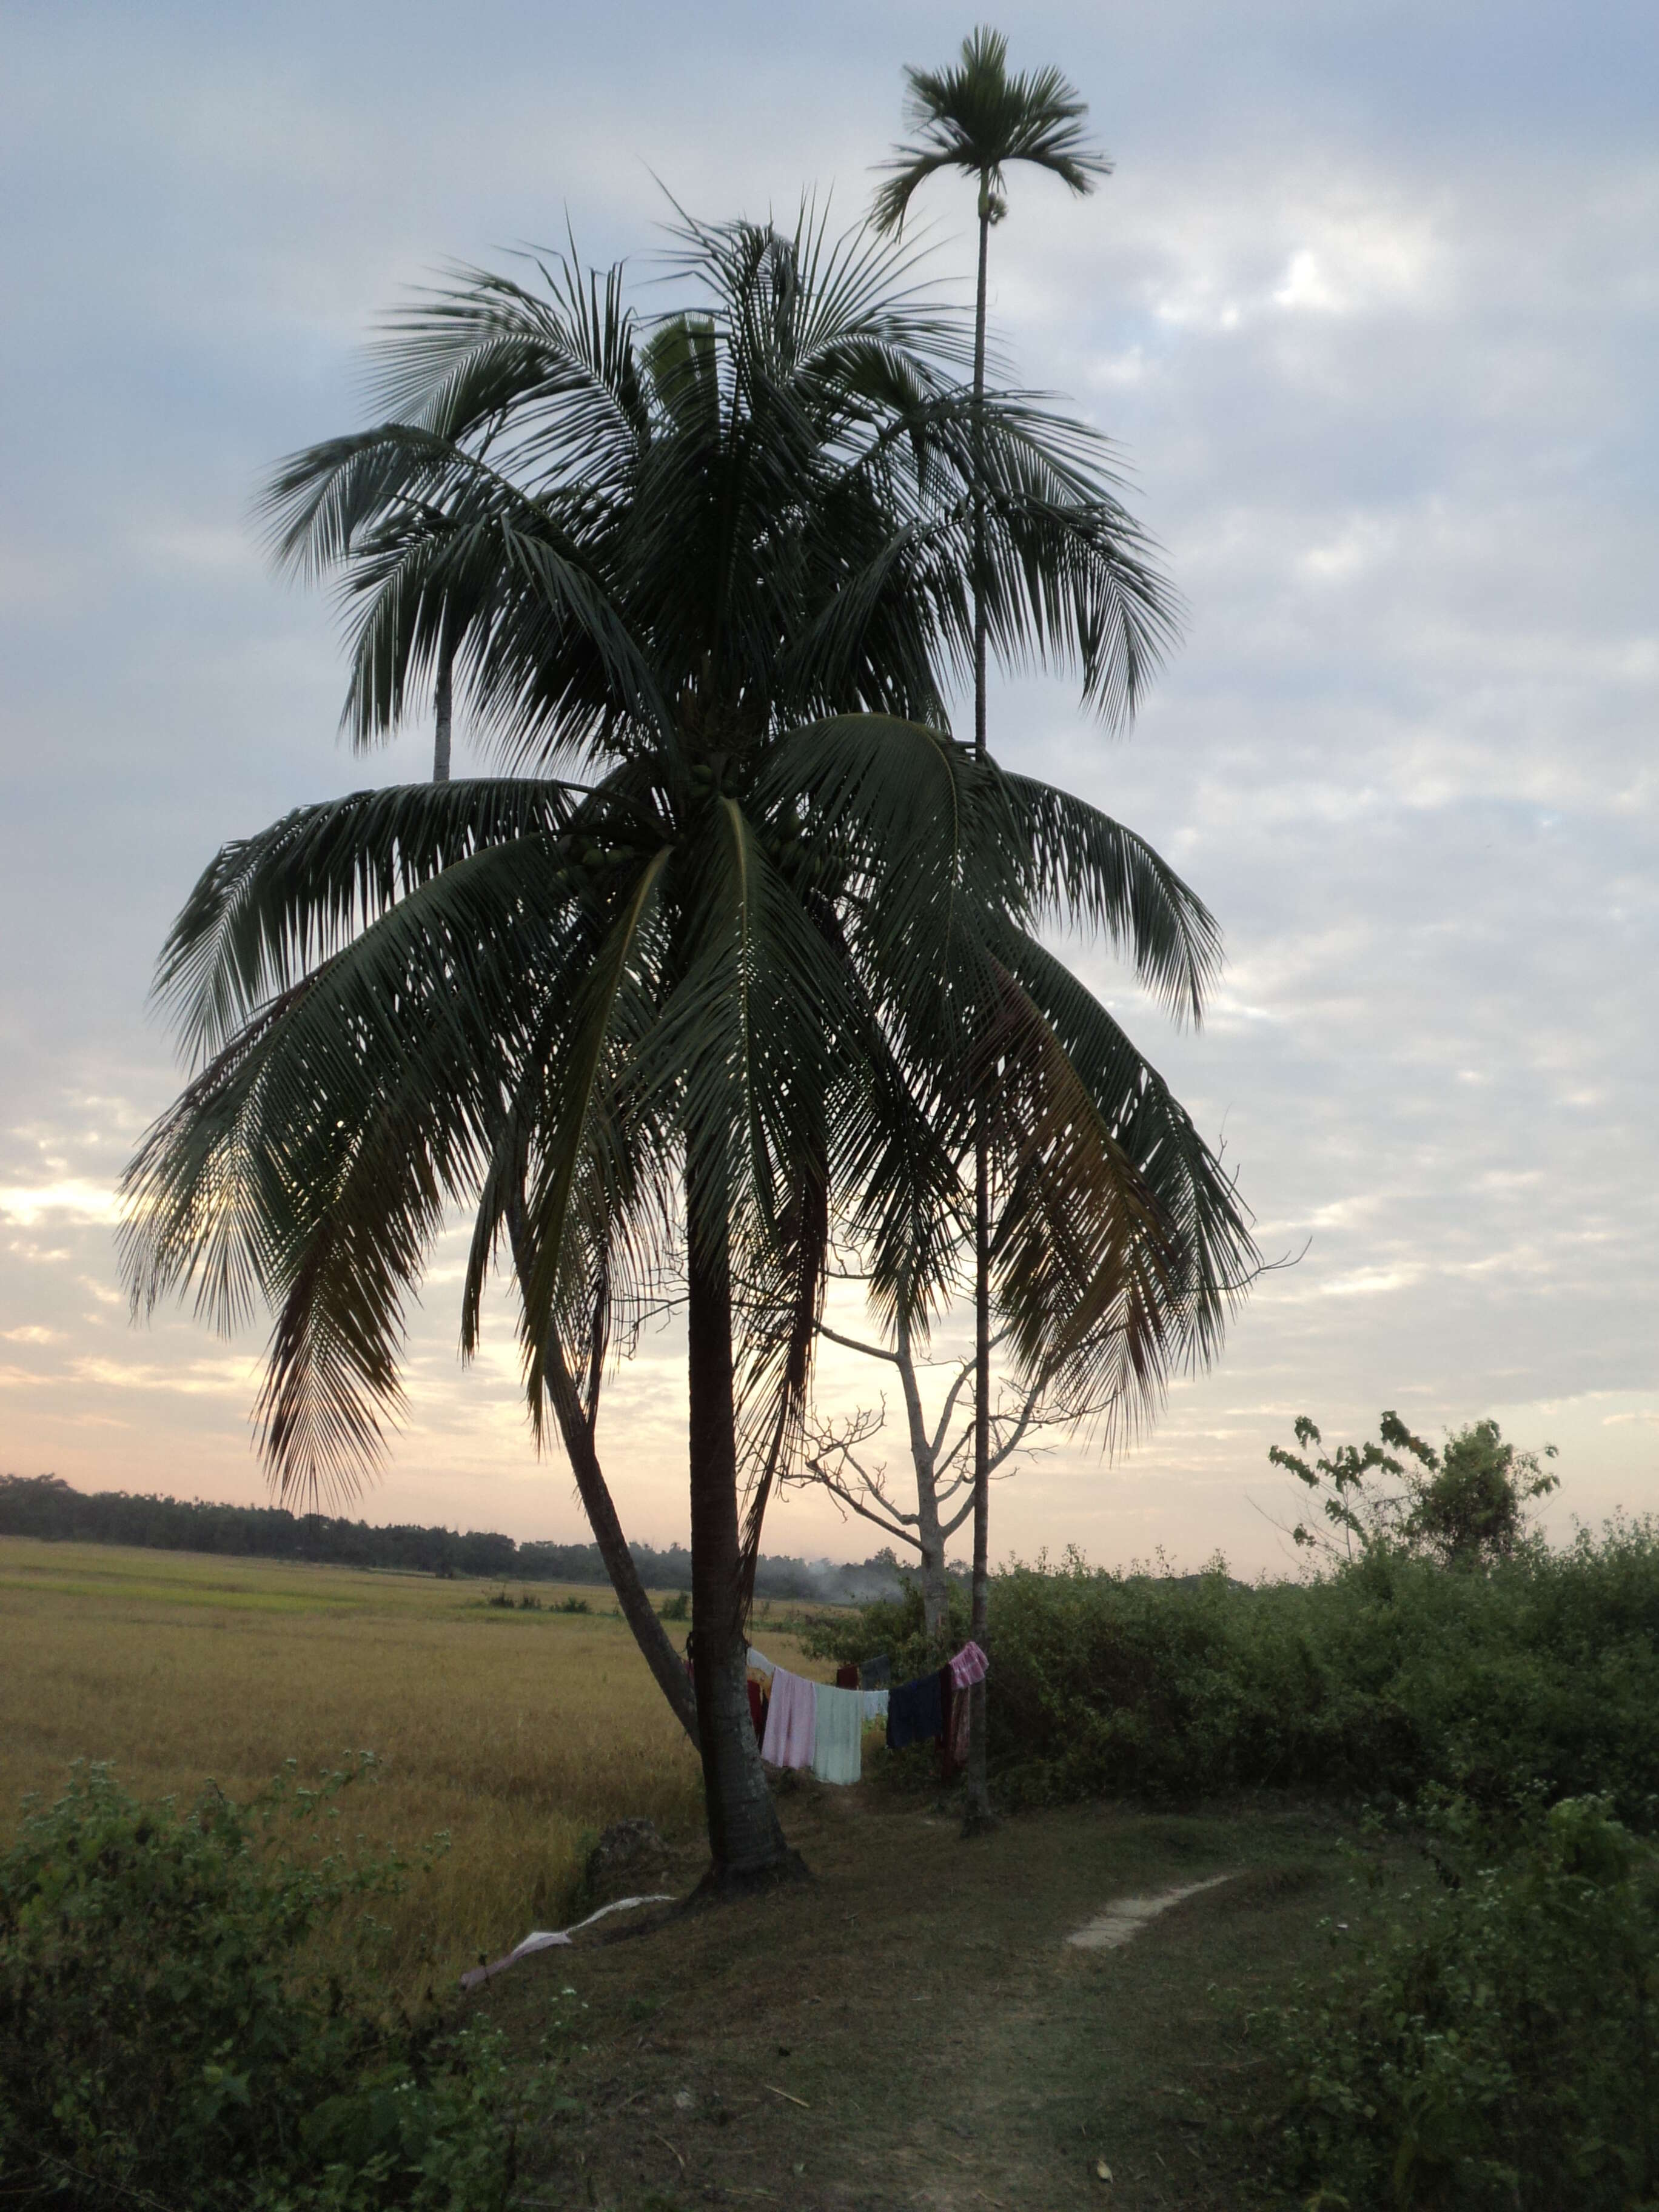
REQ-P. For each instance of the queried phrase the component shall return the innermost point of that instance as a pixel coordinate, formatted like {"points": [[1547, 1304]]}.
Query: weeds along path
{"points": [[913, 2030]]}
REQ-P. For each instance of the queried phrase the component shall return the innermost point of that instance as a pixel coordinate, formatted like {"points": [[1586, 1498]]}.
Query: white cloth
{"points": [[760, 1662], [875, 1704], [791, 1721], [544, 1939], [838, 1738]]}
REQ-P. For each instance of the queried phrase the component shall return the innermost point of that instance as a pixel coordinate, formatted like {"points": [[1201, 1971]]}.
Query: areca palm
{"points": [[711, 970], [975, 119]]}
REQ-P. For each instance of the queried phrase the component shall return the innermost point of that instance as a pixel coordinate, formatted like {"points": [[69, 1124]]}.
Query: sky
{"points": [[1368, 307]]}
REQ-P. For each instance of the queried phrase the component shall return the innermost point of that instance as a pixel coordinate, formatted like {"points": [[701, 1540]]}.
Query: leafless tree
{"points": [[837, 1454]]}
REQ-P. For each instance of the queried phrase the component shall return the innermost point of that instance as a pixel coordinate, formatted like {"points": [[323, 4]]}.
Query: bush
{"points": [[1386, 1676], [894, 1626], [187, 2020], [1465, 1507], [1491, 2040]]}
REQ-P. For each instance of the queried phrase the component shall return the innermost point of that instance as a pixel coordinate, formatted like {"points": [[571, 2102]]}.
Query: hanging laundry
{"points": [[756, 1710], [760, 1662], [953, 1705], [876, 1673], [846, 1677], [914, 1714], [791, 1721], [970, 1666], [875, 1706], [838, 1742], [962, 1707]]}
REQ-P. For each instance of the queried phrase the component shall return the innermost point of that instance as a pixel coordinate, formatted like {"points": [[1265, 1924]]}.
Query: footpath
{"points": [[917, 2027]]}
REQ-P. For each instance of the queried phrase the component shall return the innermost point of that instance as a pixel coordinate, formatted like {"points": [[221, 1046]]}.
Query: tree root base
{"points": [[724, 1885]]}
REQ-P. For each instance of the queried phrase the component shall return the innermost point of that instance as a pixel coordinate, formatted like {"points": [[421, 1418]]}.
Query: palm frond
{"points": [[974, 116], [268, 908]]}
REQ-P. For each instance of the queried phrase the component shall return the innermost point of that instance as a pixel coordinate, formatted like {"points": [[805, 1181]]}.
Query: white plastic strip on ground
{"points": [[544, 1939], [1124, 1919]]}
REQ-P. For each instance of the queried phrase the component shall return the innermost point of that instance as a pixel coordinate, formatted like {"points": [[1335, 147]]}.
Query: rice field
{"points": [[516, 1735]]}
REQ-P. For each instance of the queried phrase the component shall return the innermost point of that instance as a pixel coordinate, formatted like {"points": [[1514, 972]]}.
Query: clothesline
{"points": [[821, 1724]]}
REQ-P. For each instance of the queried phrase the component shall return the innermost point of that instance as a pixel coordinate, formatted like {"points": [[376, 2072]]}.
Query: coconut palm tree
{"points": [[977, 119], [703, 982]]}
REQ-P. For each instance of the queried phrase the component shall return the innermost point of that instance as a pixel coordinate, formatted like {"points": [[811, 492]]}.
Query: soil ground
{"points": [[910, 2029]]}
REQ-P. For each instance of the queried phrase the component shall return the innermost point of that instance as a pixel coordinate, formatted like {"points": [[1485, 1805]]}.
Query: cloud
{"points": [[1369, 306], [71, 1199]]}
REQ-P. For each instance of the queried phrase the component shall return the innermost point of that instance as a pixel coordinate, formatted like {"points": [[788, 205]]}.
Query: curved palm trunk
{"points": [[977, 1813], [745, 1842], [649, 1633]]}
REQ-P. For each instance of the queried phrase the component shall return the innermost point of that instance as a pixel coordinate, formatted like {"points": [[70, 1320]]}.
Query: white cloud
{"points": [[1377, 340], [72, 1198]]}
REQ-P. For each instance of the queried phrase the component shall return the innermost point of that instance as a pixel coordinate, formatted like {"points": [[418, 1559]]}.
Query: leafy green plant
{"points": [[1489, 2037], [678, 1608], [896, 1626], [1383, 1677], [187, 2018], [1464, 1507]]}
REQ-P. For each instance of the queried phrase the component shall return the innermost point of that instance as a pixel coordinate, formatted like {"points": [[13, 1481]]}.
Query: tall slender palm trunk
{"points": [[442, 700], [597, 1504], [745, 1841], [978, 1814]]}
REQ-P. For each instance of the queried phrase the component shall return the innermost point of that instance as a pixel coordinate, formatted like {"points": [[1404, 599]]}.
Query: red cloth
{"points": [[847, 1678], [756, 1712], [953, 1736]]}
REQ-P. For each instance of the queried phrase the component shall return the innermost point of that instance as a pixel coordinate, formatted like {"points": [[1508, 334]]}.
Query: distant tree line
{"points": [[45, 1506]]}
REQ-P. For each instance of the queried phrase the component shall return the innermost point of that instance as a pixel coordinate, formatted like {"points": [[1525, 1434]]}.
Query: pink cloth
{"points": [[791, 1721], [970, 1666]]}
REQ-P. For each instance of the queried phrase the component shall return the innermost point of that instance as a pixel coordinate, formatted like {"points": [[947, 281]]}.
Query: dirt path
{"points": [[913, 2030]]}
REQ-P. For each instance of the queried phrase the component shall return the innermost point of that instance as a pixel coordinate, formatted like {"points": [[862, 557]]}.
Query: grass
{"points": [[518, 1734], [909, 2029], [906, 2029]]}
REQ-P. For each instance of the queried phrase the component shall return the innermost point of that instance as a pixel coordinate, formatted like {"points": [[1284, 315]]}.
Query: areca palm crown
{"points": [[695, 977], [975, 119]]}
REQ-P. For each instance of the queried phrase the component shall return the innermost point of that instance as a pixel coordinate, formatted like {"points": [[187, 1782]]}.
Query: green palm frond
{"points": [[1081, 865], [1210, 1255], [741, 985], [267, 908], [974, 116]]}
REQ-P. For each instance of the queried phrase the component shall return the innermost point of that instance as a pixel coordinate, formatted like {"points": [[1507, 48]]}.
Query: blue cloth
{"points": [[915, 1713]]}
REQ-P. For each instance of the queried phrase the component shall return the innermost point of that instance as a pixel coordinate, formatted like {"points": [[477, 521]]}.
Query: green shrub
{"points": [[894, 1626], [187, 2019], [1465, 1507], [678, 1608], [1383, 1677], [1491, 2038]]}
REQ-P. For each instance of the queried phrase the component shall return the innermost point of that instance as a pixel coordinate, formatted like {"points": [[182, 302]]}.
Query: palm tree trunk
{"points": [[442, 698], [978, 1814], [649, 1633], [746, 1845]]}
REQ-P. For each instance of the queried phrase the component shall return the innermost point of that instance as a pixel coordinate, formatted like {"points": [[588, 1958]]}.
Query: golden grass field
{"points": [[518, 1734]]}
